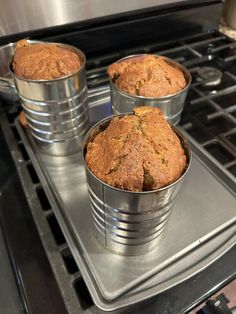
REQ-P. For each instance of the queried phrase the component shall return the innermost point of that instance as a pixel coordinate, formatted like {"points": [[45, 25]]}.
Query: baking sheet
{"points": [[203, 209]]}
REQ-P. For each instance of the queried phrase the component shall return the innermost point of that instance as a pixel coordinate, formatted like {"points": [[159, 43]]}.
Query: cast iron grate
{"points": [[219, 152], [232, 169], [233, 113], [232, 138]]}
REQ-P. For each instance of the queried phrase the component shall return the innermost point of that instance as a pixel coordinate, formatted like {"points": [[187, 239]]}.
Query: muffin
{"points": [[44, 61], [23, 120], [147, 76], [137, 152]]}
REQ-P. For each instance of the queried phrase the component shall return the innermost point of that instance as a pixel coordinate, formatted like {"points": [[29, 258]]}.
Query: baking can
{"points": [[125, 222], [56, 110], [171, 105]]}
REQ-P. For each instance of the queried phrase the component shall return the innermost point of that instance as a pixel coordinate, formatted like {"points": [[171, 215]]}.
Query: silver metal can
{"points": [[125, 222], [171, 105], [56, 110], [7, 87]]}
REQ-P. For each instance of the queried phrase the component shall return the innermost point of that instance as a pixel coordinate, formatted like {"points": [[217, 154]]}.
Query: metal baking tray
{"points": [[204, 211]]}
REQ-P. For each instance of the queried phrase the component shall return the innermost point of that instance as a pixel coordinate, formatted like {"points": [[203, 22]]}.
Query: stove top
{"points": [[209, 117]]}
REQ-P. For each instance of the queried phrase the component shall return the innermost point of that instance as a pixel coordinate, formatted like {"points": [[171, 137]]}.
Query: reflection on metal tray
{"points": [[199, 214]]}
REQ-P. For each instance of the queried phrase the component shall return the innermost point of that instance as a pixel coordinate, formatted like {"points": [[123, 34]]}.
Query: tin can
{"points": [[171, 105], [56, 110], [125, 222]]}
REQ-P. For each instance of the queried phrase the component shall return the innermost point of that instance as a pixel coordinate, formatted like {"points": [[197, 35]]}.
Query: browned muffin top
{"points": [[137, 152], [43, 61], [148, 75]]}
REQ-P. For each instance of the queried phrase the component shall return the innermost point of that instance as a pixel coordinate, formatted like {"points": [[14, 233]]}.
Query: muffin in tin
{"points": [[135, 165], [147, 75], [149, 80], [138, 152], [44, 62]]}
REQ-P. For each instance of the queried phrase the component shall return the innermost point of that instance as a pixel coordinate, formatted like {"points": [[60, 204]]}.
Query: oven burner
{"points": [[211, 76]]}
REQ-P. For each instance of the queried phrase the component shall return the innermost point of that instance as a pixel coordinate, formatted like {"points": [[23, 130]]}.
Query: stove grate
{"points": [[71, 284]]}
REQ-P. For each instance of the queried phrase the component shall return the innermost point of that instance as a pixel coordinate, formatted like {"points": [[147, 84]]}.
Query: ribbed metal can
{"points": [[56, 110], [171, 105], [125, 222]]}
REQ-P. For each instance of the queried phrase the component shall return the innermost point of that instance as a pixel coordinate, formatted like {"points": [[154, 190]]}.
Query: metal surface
{"points": [[31, 16], [171, 105], [126, 222], [61, 182], [56, 110], [7, 87], [8, 90]]}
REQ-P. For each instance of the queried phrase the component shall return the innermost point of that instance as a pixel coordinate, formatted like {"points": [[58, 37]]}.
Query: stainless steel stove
{"points": [[209, 119]]}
